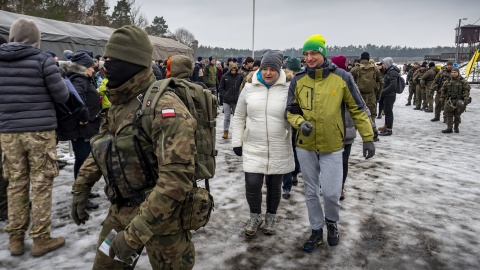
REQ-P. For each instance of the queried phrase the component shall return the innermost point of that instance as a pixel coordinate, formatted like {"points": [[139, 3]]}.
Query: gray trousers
{"points": [[321, 170], [228, 110]]}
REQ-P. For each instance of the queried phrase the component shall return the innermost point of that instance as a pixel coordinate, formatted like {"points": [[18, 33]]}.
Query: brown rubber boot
{"points": [[225, 134], [42, 246], [382, 129], [16, 246]]}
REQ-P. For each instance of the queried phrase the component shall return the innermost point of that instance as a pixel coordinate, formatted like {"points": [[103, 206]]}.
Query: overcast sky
{"points": [[281, 24]]}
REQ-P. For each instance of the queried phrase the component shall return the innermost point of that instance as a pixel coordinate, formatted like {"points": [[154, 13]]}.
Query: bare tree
{"points": [[184, 36], [137, 17]]}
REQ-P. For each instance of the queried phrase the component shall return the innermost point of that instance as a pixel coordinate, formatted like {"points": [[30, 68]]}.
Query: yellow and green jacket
{"points": [[324, 94]]}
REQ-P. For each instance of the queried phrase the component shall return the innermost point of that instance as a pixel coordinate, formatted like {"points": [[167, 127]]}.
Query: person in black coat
{"points": [[389, 95], [229, 89]]}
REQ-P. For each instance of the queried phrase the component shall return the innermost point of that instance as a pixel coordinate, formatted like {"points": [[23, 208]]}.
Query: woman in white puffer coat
{"points": [[262, 136]]}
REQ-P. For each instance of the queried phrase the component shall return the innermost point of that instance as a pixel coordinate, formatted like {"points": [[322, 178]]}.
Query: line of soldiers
{"points": [[453, 92]]}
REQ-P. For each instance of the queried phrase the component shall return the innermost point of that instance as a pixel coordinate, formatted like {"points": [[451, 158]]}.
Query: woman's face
{"points": [[269, 74]]}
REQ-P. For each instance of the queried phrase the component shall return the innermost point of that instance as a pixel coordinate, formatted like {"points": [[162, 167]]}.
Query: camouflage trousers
{"points": [[421, 97], [371, 102], [3, 191], [164, 251], [452, 115], [29, 159], [429, 97], [438, 105], [411, 92]]}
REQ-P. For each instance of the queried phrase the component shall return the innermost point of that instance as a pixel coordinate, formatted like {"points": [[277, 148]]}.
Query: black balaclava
{"points": [[118, 72]]}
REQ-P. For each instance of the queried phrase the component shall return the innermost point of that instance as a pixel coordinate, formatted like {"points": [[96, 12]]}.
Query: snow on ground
{"points": [[415, 205]]}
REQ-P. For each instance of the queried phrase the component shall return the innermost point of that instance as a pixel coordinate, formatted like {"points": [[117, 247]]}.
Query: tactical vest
{"points": [[454, 89], [114, 150]]}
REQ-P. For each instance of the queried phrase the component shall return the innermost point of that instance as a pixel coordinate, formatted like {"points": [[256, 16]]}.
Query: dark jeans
{"points": [[253, 188], [288, 178], [380, 106], [345, 155], [388, 109], [81, 149]]}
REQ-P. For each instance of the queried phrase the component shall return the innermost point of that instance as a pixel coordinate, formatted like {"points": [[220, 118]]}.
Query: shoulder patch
{"points": [[168, 113]]}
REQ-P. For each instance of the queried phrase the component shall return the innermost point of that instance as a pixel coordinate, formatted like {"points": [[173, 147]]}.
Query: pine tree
{"points": [[121, 14], [158, 27], [97, 13]]}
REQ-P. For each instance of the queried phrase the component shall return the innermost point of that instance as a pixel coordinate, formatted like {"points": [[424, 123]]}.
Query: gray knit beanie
{"points": [[387, 62], [82, 59], [130, 44], [25, 31], [273, 59]]}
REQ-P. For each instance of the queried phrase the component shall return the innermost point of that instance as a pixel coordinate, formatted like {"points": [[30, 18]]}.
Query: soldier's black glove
{"points": [[238, 151], [295, 109], [79, 204], [120, 247], [368, 150], [306, 128]]}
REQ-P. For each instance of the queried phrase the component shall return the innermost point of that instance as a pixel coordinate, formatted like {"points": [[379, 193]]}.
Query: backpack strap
{"points": [[150, 100]]}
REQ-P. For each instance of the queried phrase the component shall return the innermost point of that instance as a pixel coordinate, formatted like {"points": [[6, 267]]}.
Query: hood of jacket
{"points": [[72, 68], [180, 66], [16, 51]]}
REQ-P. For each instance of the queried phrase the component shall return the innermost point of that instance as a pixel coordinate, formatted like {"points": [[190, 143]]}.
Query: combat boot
{"points": [[448, 130], [315, 239], [383, 128], [42, 246], [253, 223], [455, 128], [435, 119], [269, 227], [332, 233], [225, 134], [387, 132], [16, 246], [408, 104]]}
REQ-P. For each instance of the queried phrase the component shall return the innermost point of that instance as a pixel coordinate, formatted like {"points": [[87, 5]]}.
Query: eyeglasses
{"points": [[311, 53]]}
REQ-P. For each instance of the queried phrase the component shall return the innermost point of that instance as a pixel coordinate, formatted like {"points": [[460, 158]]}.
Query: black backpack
{"points": [[400, 84], [73, 107]]}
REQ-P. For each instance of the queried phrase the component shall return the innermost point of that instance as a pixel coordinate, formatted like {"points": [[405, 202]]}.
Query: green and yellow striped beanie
{"points": [[315, 43]]}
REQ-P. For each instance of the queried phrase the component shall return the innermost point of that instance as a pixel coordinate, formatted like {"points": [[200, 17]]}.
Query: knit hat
{"points": [[294, 64], [365, 56], [340, 61], [229, 59], [2, 40], [179, 66], [387, 62], [456, 69], [218, 63], [423, 65], [232, 66], [51, 53], [82, 59], [356, 60], [272, 58], [431, 64], [130, 44], [89, 53], [315, 43], [25, 31], [68, 54], [199, 58], [450, 63], [210, 58], [425, 62]]}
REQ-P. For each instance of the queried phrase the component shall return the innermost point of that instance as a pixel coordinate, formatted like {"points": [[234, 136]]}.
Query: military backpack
{"points": [[366, 79], [203, 107]]}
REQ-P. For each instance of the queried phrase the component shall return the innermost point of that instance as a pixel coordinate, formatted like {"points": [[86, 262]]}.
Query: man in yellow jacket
{"points": [[317, 99]]}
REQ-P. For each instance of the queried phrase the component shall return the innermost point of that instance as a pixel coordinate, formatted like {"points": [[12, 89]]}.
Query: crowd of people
{"points": [[290, 115]]}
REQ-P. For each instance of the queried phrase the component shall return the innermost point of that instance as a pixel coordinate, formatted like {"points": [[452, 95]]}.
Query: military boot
{"points": [[225, 134], [42, 246], [253, 223], [448, 130], [436, 118], [16, 246], [455, 128], [269, 227], [408, 104]]}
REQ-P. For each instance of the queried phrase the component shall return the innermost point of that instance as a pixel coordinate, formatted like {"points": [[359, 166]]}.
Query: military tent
{"points": [[58, 36]]}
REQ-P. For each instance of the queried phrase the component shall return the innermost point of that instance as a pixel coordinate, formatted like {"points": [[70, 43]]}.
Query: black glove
{"points": [[295, 109], [238, 151], [306, 128], [368, 150], [79, 204], [120, 248]]}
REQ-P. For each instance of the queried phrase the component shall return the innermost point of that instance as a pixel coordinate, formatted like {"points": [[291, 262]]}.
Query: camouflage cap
{"points": [[450, 63], [456, 69]]}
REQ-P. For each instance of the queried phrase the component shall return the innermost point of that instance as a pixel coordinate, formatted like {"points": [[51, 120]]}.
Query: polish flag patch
{"points": [[168, 113]]}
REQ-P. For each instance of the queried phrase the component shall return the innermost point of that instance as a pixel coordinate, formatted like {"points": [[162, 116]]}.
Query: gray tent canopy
{"points": [[58, 36]]}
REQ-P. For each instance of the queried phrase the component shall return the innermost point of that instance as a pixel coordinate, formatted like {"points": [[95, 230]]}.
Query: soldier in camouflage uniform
{"points": [[438, 82], [30, 84], [427, 81], [370, 95], [146, 195], [420, 94], [455, 94], [411, 84]]}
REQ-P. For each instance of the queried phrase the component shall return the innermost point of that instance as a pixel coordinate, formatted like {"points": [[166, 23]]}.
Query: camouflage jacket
{"points": [[410, 74], [440, 79], [455, 88], [429, 76], [418, 75], [174, 148]]}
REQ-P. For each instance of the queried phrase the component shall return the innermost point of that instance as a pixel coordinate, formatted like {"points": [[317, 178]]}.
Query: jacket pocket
{"points": [[305, 98]]}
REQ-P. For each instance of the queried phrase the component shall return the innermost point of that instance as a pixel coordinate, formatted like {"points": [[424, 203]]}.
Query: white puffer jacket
{"points": [[260, 127]]}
